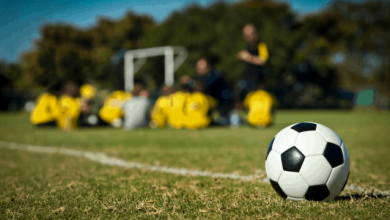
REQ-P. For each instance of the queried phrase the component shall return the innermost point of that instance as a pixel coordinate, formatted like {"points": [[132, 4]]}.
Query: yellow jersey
{"points": [[112, 107], [68, 112], [88, 91], [260, 105], [196, 110], [263, 51], [45, 109], [159, 113], [175, 109]]}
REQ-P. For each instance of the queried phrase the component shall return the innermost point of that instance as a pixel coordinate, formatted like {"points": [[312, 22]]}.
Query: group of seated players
{"points": [[64, 104]]}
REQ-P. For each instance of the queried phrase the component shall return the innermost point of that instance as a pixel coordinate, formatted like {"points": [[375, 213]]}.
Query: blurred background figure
{"points": [[159, 114], [136, 110], [175, 109], [69, 107], [197, 108], [44, 113], [215, 86], [111, 112], [255, 57], [260, 104], [87, 93]]}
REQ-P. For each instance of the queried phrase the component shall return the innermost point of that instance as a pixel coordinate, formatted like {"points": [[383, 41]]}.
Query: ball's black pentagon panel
{"points": [[292, 160], [317, 193], [304, 126], [277, 188], [269, 148], [345, 182], [333, 154]]}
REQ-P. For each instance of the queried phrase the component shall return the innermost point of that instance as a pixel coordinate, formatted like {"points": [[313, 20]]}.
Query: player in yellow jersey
{"points": [[260, 104], [159, 115], [197, 108], [69, 107], [88, 91], [88, 116], [111, 112], [175, 109], [68, 112], [44, 112]]}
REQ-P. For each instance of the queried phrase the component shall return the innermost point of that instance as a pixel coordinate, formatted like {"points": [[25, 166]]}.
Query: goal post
{"points": [[135, 59]]}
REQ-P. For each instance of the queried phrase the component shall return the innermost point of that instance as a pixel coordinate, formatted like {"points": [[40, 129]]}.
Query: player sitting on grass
{"points": [[175, 109], [159, 115], [111, 112], [69, 107], [215, 86], [197, 108], [88, 93], [136, 111], [44, 112], [260, 104]]}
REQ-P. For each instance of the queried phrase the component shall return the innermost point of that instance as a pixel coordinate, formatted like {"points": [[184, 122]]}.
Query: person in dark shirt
{"points": [[255, 56], [216, 87]]}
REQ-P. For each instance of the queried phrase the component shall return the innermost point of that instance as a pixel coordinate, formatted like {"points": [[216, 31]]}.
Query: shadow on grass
{"points": [[360, 196]]}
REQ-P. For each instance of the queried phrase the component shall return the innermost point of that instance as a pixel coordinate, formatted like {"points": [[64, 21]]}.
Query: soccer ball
{"points": [[307, 161]]}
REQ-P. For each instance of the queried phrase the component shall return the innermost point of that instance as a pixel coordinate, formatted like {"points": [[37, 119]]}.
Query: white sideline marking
{"points": [[113, 161]]}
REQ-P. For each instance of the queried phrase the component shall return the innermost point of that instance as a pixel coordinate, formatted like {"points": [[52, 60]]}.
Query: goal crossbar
{"points": [[135, 59]]}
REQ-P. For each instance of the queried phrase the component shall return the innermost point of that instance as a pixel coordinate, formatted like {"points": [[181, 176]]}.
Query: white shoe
{"points": [[116, 123]]}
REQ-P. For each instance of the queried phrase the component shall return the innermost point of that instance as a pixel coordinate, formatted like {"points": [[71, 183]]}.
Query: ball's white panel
{"points": [[338, 176], [293, 184], [273, 166], [328, 134], [284, 140], [345, 151], [315, 170], [310, 143], [295, 199], [331, 196]]}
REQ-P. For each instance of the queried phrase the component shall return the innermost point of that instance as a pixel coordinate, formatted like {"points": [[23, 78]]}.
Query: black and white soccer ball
{"points": [[307, 161]]}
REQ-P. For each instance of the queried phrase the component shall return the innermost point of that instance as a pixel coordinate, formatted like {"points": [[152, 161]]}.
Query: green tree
{"points": [[69, 53]]}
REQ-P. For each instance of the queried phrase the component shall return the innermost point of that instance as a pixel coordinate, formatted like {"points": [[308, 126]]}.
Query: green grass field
{"points": [[39, 185]]}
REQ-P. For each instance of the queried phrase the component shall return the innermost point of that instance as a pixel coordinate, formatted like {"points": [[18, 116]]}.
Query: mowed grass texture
{"points": [[53, 186], [36, 185]]}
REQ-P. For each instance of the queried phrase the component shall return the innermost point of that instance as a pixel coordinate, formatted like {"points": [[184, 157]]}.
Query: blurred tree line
{"points": [[311, 58]]}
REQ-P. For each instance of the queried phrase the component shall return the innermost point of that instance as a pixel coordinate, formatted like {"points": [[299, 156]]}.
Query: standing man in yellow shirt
{"points": [[255, 57]]}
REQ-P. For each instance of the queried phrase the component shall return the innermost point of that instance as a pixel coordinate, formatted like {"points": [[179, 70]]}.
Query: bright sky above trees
{"points": [[20, 20]]}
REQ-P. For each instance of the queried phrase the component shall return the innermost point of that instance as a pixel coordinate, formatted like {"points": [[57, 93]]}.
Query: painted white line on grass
{"points": [[113, 161]]}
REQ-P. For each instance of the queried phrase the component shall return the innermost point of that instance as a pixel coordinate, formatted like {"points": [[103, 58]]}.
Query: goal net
{"points": [[135, 59]]}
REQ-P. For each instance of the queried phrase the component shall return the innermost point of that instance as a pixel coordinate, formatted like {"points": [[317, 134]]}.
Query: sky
{"points": [[21, 20]]}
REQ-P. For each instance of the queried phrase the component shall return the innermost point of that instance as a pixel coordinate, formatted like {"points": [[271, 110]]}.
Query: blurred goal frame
{"points": [[171, 65]]}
